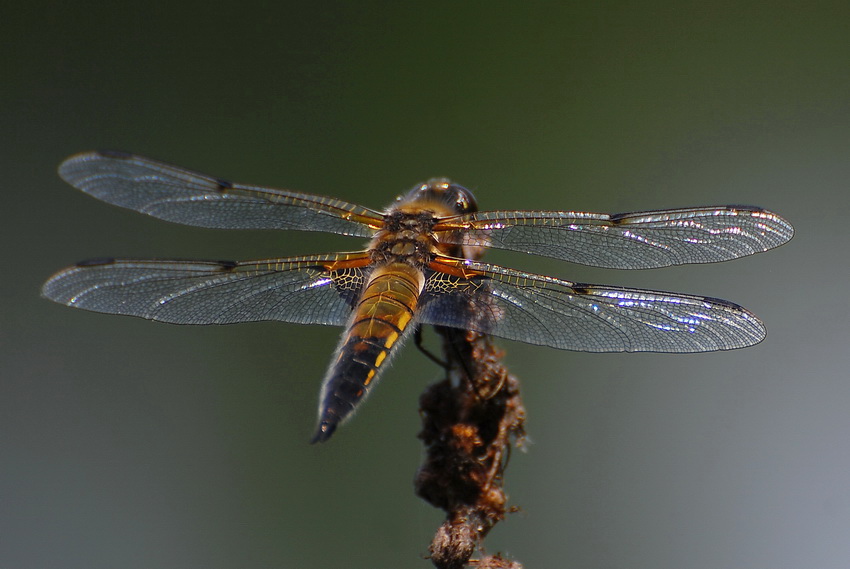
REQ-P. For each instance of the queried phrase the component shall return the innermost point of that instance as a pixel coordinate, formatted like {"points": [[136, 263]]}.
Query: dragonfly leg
{"points": [[417, 341]]}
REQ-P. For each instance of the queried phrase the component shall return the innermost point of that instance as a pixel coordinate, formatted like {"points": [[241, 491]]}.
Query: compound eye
{"points": [[464, 201]]}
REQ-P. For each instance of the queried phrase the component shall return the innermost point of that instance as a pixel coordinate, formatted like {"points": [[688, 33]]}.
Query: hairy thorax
{"points": [[406, 237]]}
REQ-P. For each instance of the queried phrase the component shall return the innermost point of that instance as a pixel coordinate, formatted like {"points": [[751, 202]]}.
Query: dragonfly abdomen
{"points": [[380, 319]]}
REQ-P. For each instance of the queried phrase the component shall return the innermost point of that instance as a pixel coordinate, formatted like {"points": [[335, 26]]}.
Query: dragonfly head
{"points": [[442, 195]]}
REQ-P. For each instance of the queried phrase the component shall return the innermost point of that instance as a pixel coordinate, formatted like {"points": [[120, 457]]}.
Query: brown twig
{"points": [[470, 420]]}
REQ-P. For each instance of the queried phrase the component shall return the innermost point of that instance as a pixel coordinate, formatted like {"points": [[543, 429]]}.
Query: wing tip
{"points": [[113, 154], [87, 155], [95, 262]]}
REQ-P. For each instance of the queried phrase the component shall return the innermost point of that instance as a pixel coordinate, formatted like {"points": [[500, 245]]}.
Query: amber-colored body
{"points": [[385, 310], [421, 267]]}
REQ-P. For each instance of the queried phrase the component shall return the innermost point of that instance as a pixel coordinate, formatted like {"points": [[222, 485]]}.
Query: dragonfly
{"points": [[421, 267]]}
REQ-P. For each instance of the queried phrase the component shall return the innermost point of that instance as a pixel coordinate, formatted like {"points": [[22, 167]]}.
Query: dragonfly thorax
{"points": [[421, 267], [406, 237]]}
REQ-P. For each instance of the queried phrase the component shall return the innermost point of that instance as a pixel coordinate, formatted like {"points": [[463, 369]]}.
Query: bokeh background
{"points": [[130, 444]]}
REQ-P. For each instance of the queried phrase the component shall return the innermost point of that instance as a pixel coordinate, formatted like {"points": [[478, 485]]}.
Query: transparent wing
{"points": [[182, 196], [319, 289], [592, 318], [639, 240]]}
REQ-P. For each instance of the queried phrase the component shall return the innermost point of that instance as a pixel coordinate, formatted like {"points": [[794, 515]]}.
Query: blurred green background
{"points": [[131, 444]]}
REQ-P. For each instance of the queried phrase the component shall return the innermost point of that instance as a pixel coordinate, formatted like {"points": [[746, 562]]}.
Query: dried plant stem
{"points": [[471, 419]]}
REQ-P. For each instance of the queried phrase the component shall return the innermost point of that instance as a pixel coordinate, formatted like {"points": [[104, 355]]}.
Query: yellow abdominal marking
{"points": [[388, 343], [380, 359]]}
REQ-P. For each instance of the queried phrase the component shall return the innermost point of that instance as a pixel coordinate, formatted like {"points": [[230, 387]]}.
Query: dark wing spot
{"points": [[579, 289], [744, 207], [226, 266], [96, 261], [617, 218], [223, 185], [724, 303]]}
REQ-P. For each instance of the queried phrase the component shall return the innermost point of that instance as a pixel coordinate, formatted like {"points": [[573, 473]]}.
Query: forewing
{"points": [[639, 240], [182, 196], [592, 318], [307, 290]]}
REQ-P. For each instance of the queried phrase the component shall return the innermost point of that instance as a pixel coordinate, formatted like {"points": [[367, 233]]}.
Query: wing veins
{"points": [[625, 241], [585, 317], [182, 196]]}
